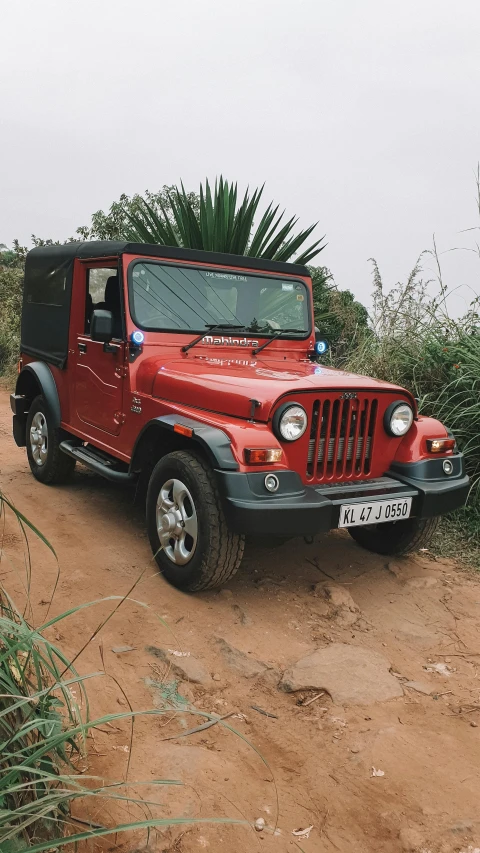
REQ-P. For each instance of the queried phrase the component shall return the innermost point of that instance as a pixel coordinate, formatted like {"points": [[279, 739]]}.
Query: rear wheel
{"points": [[47, 462], [192, 544], [396, 537]]}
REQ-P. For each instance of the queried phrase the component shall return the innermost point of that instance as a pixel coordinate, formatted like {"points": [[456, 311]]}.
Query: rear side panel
{"points": [[46, 304]]}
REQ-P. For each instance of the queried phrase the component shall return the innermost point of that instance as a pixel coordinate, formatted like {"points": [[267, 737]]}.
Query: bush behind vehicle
{"points": [[416, 343]]}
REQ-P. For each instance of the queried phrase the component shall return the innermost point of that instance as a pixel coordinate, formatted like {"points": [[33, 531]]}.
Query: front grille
{"points": [[340, 449], [341, 438]]}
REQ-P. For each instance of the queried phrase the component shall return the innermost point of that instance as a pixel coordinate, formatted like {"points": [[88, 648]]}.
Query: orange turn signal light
{"points": [[183, 430], [440, 445], [261, 455]]}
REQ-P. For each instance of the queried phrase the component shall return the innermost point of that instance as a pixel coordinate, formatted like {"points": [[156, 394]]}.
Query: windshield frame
{"points": [[220, 269]]}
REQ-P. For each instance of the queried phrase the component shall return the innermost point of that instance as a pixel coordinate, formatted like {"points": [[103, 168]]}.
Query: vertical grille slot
{"points": [[347, 426], [370, 435], [326, 427], [314, 437], [341, 438], [360, 458]]}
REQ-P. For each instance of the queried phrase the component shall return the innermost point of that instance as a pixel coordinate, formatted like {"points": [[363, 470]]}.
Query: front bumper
{"points": [[299, 510]]}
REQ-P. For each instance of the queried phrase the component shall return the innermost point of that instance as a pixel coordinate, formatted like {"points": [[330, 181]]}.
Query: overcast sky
{"points": [[361, 114]]}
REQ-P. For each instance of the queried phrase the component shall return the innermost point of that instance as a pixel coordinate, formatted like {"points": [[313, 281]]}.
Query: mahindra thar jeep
{"points": [[198, 374]]}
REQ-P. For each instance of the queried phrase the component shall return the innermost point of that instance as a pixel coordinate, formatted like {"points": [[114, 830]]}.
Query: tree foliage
{"points": [[341, 319], [218, 221], [115, 223], [11, 285]]}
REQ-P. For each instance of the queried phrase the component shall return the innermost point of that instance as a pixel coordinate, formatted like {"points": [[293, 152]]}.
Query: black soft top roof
{"points": [[48, 285], [114, 248]]}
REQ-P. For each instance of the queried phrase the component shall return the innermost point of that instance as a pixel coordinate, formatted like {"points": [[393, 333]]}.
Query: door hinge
{"points": [[119, 418], [121, 372]]}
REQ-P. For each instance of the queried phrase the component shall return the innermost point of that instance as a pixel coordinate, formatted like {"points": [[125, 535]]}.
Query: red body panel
{"points": [[215, 384]]}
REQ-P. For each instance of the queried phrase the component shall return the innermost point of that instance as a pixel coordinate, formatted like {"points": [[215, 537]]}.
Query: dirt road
{"points": [[413, 620]]}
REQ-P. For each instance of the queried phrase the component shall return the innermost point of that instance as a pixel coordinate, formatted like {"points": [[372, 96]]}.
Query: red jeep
{"points": [[198, 373]]}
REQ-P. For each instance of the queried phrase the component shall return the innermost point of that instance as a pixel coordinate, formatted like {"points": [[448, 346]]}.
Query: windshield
{"points": [[164, 297]]}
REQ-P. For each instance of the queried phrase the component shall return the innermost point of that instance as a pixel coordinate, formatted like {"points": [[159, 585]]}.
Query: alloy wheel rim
{"points": [[177, 523], [39, 438]]}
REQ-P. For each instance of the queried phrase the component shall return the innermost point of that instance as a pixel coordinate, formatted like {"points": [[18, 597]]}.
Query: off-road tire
{"points": [[396, 537], [218, 552], [57, 467]]}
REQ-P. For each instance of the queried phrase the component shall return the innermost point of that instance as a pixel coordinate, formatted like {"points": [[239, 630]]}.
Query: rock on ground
{"points": [[350, 674], [344, 607], [240, 662], [410, 839], [184, 667]]}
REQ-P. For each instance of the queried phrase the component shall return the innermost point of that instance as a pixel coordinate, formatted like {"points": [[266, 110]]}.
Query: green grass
{"points": [[44, 731], [459, 536], [417, 345]]}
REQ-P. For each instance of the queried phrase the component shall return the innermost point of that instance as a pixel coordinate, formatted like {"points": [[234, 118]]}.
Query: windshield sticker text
{"points": [[226, 275]]}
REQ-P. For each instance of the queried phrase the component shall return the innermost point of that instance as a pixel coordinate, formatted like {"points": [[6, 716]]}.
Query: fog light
{"points": [[262, 456], [440, 445], [271, 483], [447, 466]]}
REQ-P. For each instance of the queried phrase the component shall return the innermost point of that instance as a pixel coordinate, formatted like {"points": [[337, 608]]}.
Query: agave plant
{"points": [[221, 223]]}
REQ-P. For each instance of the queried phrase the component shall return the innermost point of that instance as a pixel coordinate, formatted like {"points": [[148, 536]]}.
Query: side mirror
{"points": [[101, 326]]}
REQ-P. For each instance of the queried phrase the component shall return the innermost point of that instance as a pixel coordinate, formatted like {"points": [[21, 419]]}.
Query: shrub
{"points": [[416, 344], [341, 319], [11, 284]]}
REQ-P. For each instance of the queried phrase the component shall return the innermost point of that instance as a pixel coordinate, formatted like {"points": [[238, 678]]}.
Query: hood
{"points": [[227, 386]]}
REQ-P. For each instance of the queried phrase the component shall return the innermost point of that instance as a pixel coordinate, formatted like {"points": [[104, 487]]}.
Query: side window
{"points": [[103, 291], [47, 286]]}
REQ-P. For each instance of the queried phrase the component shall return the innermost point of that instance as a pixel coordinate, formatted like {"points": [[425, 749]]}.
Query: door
{"points": [[99, 374]]}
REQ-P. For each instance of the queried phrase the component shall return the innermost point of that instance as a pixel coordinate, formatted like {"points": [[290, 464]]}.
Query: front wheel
{"points": [[192, 544], [396, 537]]}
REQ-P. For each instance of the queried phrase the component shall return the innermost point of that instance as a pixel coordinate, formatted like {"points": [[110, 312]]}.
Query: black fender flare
{"points": [[44, 379], [212, 440]]}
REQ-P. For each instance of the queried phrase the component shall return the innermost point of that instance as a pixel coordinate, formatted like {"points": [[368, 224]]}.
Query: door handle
{"points": [[82, 347]]}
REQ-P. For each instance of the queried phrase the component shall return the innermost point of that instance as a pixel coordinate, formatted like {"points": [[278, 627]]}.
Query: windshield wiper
{"points": [[211, 327], [277, 335]]}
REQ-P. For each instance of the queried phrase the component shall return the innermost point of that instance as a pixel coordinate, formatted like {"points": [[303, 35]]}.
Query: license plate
{"points": [[353, 515]]}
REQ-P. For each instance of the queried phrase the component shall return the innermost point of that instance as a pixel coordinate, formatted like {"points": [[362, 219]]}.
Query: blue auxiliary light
{"points": [[137, 338], [321, 347]]}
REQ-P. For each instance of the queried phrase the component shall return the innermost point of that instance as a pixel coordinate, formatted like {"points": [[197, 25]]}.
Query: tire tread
{"points": [[226, 548], [59, 467], [416, 534]]}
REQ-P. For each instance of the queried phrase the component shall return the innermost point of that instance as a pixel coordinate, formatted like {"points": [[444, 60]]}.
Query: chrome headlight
{"points": [[398, 419], [290, 422]]}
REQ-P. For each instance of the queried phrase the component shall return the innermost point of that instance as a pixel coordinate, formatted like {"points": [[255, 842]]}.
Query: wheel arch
{"points": [[36, 378], [158, 437]]}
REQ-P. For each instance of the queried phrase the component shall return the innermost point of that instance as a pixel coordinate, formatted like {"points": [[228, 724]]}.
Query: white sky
{"points": [[362, 114]]}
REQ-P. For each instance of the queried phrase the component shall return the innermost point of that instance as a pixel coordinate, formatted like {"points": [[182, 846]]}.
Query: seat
{"points": [[113, 303]]}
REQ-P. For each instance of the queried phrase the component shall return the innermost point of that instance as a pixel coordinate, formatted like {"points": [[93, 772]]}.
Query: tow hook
{"points": [[308, 540]]}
